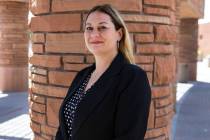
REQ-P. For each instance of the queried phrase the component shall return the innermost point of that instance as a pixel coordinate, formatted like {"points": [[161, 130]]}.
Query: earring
{"points": [[118, 44]]}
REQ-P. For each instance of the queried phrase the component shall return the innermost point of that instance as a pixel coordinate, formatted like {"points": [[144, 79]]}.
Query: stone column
{"points": [[59, 53], [187, 66], [190, 11], [13, 46]]}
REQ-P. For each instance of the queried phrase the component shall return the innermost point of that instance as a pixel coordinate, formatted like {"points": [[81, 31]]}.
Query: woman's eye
{"points": [[102, 28], [89, 28]]}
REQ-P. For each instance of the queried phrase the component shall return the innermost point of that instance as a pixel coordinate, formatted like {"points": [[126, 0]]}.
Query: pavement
{"points": [[192, 118], [191, 121], [14, 118]]}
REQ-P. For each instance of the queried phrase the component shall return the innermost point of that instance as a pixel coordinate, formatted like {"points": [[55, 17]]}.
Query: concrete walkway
{"points": [[192, 119], [14, 118]]}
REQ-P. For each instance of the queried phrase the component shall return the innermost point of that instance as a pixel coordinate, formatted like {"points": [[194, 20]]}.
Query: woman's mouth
{"points": [[96, 42]]}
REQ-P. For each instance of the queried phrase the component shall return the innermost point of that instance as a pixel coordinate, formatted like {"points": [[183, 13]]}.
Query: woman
{"points": [[110, 99]]}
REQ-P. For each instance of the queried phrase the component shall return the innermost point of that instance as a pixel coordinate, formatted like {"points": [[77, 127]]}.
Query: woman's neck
{"points": [[103, 62]]}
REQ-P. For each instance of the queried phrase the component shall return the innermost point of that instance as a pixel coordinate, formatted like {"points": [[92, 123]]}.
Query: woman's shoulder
{"points": [[132, 73], [133, 70], [133, 78]]}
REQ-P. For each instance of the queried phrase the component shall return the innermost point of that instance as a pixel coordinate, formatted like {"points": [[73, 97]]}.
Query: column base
{"points": [[13, 79], [187, 72]]}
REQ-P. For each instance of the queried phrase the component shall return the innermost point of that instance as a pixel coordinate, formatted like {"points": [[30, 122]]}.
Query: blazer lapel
{"points": [[69, 94], [72, 90], [97, 92]]}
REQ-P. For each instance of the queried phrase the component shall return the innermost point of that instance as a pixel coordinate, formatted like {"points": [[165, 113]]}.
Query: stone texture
{"points": [[48, 130], [52, 23], [159, 92], [38, 117], [193, 9], [144, 59], [37, 107], [39, 78], [165, 33], [38, 99], [38, 38], [39, 6], [156, 11], [65, 43], [40, 137], [167, 3], [146, 67], [61, 78], [38, 48], [90, 59], [57, 91], [154, 49], [74, 67], [144, 38], [136, 27], [53, 106], [35, 127], [51, 61], [49, 91], [163, 111], [167, 74], [162, 102], [146, 18], [162, 121], [62, 5], [39, 71], [153, 133], [150, 78], [73, 59]]}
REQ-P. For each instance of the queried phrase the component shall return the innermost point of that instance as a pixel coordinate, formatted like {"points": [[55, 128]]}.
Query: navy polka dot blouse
{"points": [[72, 104]]}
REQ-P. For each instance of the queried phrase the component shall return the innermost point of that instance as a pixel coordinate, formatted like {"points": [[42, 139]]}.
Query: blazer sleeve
{"points": [[58, 135], [133, 109]]}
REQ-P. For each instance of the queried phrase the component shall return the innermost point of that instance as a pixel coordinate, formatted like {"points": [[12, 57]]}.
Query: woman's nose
{"points": [[95, 33]]}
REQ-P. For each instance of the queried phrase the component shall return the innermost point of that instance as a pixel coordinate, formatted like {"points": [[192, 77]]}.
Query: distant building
{"points": [[203, 40]]}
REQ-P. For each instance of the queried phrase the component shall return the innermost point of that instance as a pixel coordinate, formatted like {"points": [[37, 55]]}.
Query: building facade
{"points": [[203, 40]]}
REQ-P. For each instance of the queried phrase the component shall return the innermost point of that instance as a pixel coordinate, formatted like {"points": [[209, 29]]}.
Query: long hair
{"points": [[125, 46]]}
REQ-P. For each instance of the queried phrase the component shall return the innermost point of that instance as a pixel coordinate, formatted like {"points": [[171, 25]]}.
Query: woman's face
{"points": [[100, 34]]}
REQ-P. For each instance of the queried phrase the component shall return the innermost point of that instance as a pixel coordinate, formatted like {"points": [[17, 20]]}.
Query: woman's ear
{"points": [[120, 33]]}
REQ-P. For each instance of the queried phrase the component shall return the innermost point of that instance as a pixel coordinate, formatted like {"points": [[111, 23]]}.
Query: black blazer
{"points": [[115, 108]]}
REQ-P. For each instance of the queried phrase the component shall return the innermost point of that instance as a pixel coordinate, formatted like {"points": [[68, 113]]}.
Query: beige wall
{"points": [[203, 40]]}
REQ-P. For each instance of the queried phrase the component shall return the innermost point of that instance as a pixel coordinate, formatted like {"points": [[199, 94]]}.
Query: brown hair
{"points": [[125, 46]]}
